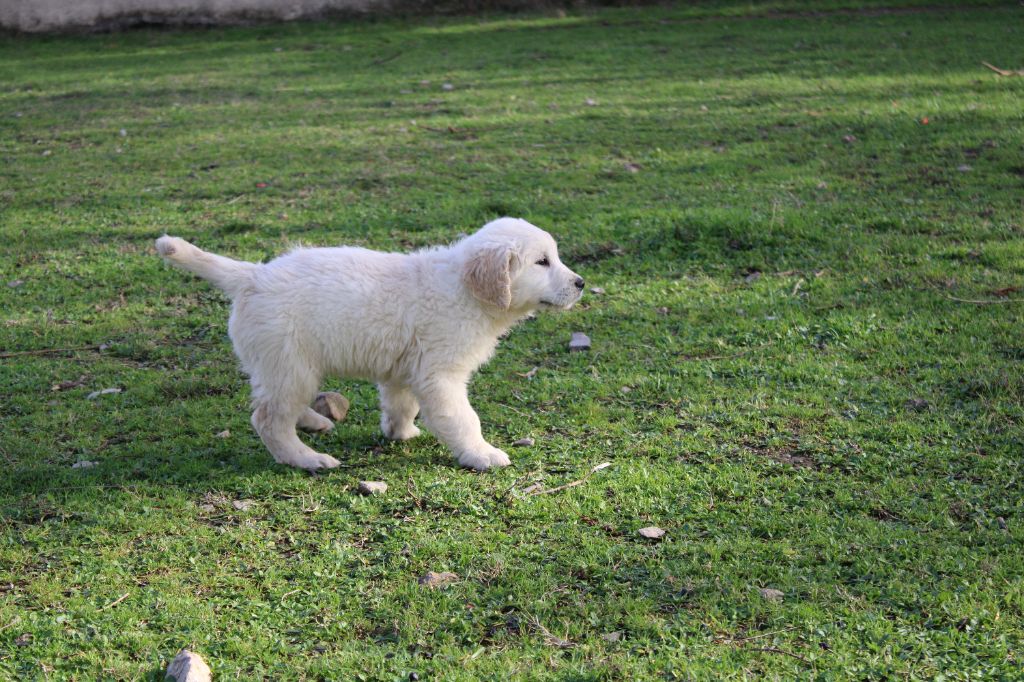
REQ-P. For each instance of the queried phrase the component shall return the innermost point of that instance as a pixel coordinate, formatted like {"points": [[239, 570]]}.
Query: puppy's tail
{"points": [[231, 276]]}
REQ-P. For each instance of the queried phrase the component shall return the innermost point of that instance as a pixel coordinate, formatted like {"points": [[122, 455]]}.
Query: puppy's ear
{"points": [[488, 274]]}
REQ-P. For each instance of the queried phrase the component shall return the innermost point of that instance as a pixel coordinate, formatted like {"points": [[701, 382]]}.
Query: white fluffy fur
{"points": [[419, 325]]}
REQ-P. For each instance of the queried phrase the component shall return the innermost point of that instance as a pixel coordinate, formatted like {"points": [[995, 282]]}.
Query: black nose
{"points": [[579, 283]]}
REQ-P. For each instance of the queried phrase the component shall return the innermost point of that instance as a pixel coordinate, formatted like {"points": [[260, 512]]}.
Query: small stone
{"points": [[188, 666], [662, 310], [626, 389], [332, 405], [123, 132], [241, 505], [447, 86], [105, 391], [372, 487], [84, 464], [590, 103], [963, 168], [523, 443], [224, 434], [434, 579], [652, 532], [47, 152], [771, 594], [579, 341], [612, 636]]}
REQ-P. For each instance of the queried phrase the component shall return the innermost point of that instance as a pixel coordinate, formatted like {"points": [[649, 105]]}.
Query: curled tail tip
{"points": [[167, 246]]}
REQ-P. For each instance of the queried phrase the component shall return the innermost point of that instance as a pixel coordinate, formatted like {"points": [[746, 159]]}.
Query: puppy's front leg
{"points": [[398, 409], [447, 412]]}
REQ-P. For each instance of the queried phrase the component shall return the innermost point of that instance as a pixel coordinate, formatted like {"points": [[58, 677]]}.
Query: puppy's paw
{"points": [[484, 458], [394, 431], [312, 421], [313, 462]]}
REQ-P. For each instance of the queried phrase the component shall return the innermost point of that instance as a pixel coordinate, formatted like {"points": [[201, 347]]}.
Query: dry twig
{"points": [[573, 484]]}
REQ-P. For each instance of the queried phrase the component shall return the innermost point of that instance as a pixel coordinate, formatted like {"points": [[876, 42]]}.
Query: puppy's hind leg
{"points": [[398, 409], [280, 399], [311, 420]]}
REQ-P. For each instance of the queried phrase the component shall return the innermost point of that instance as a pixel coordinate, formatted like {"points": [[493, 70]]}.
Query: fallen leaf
{"points": [[433, 579], [924, 121], [261, 185], [652, 532], [65, 385], [1005, 291]]}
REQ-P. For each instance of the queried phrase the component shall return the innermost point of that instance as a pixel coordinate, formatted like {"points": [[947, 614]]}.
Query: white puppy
{"points": [[419, 325]]}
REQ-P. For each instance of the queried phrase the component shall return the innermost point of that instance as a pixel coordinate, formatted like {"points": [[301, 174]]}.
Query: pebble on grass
{"points": [[652, 532], [579, 341], [188, 666], [372, 487]]}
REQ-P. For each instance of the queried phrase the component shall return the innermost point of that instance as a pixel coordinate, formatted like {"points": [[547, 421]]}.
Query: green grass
{"points": [[838, 428]]}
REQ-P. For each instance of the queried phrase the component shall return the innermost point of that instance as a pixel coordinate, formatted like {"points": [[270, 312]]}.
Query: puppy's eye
{"points": [[544, 261]]}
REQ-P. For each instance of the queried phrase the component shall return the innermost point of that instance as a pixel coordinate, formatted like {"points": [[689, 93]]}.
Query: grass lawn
{"points": [[782, 208]]}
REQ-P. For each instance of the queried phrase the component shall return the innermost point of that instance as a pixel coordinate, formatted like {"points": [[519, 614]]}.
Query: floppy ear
{"points": [[488, 274]]}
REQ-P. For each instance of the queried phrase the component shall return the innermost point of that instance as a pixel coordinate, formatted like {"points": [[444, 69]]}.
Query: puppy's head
{"points": [[514, 266]]}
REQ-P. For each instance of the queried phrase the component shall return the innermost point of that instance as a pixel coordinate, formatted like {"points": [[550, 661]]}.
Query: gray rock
{"points": [[579, 341], [372, 487], [652, 532], [188, 666]]}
